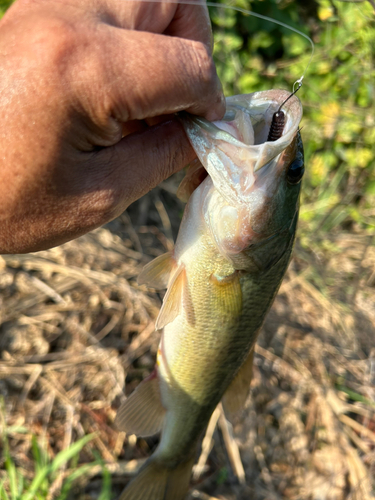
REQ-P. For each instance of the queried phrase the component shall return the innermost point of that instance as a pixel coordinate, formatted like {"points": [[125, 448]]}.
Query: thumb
{"points": [[139, 162], [139, 75]]}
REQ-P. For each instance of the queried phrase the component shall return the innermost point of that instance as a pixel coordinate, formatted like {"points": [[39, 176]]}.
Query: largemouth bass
{"points": [[232, 250]]}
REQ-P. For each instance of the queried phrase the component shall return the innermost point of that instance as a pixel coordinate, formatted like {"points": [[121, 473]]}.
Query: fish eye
{"points": [[295, 171]]}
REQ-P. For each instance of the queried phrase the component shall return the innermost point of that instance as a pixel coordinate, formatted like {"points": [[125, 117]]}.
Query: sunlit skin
{"points": [[88, 90]]}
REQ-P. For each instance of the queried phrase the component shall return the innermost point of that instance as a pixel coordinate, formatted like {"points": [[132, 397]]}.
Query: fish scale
{"points": [[231, 253]]}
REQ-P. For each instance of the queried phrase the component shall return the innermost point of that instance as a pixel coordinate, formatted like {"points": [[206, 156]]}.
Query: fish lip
{"points": [[263, 104], [212, 129], [234, 166]]}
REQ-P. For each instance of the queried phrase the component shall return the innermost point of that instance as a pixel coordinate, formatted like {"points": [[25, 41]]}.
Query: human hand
{"points": [[76, 78]]}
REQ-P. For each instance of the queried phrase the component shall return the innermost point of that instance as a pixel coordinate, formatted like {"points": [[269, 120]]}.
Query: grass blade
{"points": [[65, 455], [105, 494], [68, 483], [36, 483], [11, 469], [3, 493]]}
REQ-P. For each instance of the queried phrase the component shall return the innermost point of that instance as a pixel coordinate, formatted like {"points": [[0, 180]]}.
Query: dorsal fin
{"points": [[156, 273]]}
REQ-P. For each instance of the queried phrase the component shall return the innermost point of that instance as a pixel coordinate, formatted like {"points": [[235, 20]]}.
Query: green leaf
{"points": [[68, 483], [65, 455], [370, 188], [60, 459], [36, 483], [4, 5], [3, 493], [16, 429], [355, 396], [105, 494], [11, 469], [39, 457]]}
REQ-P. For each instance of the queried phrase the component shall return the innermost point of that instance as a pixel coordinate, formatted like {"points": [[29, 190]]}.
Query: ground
{"points": [[77, 333]]}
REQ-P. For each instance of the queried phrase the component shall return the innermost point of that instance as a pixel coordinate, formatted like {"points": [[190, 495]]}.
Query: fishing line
{"points": [[264, 18], [292, 94], [249, 13]]}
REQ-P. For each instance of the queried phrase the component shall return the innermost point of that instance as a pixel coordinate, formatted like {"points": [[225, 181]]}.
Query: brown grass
{"points": [[75, 325]]}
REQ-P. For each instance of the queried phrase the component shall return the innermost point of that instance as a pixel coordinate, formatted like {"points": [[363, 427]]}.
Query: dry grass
{"points": [[75, 324]]}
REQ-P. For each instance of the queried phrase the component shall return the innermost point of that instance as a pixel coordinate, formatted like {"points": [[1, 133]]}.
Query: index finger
{"points": [[188, 19], [192, 21]]}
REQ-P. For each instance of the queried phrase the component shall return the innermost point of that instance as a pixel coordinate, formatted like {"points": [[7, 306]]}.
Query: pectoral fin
{"points": [[142, 413], [173, 299], [228, 294], [157, 272], [195, 174], [235, 396]]}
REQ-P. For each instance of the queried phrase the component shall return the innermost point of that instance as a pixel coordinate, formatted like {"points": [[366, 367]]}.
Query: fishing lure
{"points": [[278, 119]]}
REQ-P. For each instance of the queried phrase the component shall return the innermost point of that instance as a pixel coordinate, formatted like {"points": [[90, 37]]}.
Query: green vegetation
{"points": [[338, 127], [51, 479], [49, 475], [4, 4]]}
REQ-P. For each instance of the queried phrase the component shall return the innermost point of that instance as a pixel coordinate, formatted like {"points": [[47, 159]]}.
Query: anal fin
{"points": [[235, 396], [142, 413]]}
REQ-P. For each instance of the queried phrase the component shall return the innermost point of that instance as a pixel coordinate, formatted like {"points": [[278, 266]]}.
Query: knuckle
{"points": [[55, 41], [44, 38], [204, 65]]}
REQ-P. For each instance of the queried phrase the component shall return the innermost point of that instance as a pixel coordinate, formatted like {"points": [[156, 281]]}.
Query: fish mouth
{"points": [[259, 108], [236, 150]]}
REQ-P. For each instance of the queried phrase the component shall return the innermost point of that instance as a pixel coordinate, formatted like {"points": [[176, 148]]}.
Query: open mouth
{"points": [[268, 125], [250, 126], [234, 149]]}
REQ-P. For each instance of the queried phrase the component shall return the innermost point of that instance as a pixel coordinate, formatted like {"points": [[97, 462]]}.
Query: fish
{"points": [[232, 251]]}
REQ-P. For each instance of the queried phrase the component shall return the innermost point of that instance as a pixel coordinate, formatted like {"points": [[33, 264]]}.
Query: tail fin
{"points": [[157, 482]]}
